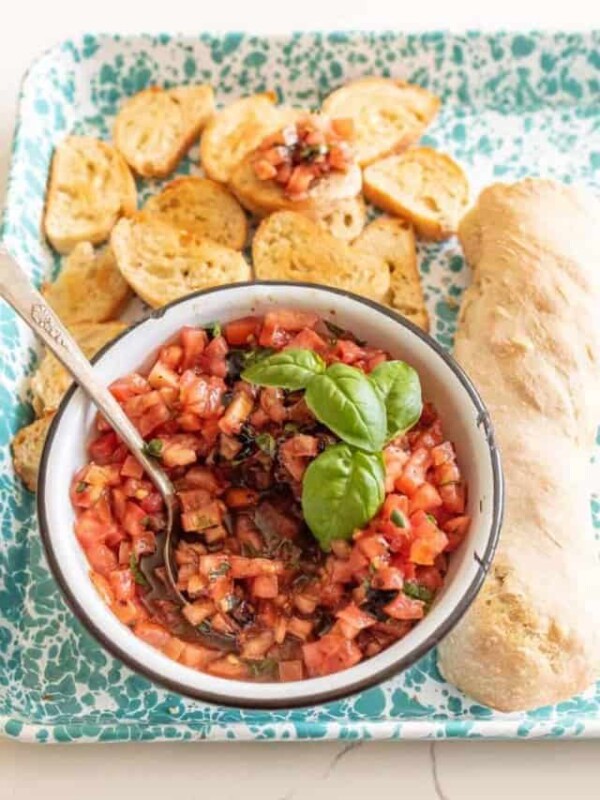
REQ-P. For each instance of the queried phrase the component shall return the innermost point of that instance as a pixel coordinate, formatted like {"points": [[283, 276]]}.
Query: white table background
{"points": [[382, 770]]}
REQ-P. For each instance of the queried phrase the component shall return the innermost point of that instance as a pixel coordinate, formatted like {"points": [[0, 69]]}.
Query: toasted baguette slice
{"points": [[238, 129], [90, 187], [27, 447], [51, 380], [89, 287], [202, 207], [290, 246], [156, 127], [393, 240], [266, 197], [424, 186], [162, 262], [389, 115], [346, 220]]}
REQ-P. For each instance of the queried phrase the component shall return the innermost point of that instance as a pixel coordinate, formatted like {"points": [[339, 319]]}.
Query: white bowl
{"points": [[465, 421]]}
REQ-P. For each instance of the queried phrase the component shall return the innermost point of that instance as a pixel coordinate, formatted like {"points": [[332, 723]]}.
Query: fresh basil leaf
{"points": [[289, 369], [138, 575], [342, 490], [400, 389], [344, 399], [418, 592]]}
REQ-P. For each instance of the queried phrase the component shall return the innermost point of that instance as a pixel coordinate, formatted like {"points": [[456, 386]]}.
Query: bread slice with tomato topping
{"points": [[290, 246], [203, 207], [156, 127], [424, 186], [89, 287], [262, 197], [162, 262], [51, 380], [239, 128], [90, 187], [27, 447], [389, 115], [393, 240]]}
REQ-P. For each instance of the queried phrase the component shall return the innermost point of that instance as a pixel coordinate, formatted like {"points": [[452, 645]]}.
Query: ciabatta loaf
{"points": [[529, 337]]}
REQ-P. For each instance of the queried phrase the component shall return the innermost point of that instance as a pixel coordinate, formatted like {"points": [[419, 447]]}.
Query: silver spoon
{"points": [[16, 289]]}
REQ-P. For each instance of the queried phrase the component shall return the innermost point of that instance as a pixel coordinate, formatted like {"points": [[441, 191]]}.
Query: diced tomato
{"points": [[125, 551], [143, 543], [291, 319], [442, 454], [236, 414], [198, 657], [212, 361], [172, 356], [132, 468], [134, 519], [428, 540], [242, 331], [203, 517], [102, 449], [271, 335], [179, 451], [430, 437], [101, 558], [394, 459], [300, 628], [123, 584], [414, 472], [348, 351], [308, 339], [430, 577], [373, 546], [152, 503], [295, 452], [456, 530], [152, 633], [426, 498], [163, 377], [447, 473], [290, 671], [388, 578], [103, 587], [242, 567], [200, 395], [239, 497], [228, 667], [128, 613], [193, 499], [404, 608], [193, 341], [89, 529], [129, 386], [200, 477], [174, 648], [265, 586], [454, 497], [330, 654], [354, 616]]}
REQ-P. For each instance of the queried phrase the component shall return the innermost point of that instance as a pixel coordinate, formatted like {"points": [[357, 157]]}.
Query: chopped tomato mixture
{"points": [[299, 155], [270, 603]]}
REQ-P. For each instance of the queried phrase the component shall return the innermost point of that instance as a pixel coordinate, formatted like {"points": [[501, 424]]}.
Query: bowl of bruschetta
{"points": [[341, 495]]}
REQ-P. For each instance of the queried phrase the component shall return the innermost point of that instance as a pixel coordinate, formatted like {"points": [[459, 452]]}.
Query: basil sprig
{"points": [[342, 490], [344, 486], [288, 369], [346, 401], [400, 389]]}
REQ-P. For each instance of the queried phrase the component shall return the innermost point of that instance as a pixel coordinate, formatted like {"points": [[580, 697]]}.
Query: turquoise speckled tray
{"points": [[513, 105]]}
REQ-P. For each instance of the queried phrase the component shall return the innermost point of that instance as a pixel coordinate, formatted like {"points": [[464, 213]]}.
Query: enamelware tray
{"points": [[513, 105]]}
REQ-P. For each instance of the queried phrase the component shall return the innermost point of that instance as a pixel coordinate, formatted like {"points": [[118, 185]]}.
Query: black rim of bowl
{"points": [[310, 699]]}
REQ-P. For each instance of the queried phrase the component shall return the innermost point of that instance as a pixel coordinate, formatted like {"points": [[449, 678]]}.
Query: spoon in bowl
{"points": [[18, 292]]}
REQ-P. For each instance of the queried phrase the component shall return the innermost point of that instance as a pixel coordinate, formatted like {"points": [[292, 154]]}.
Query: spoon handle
{"points": [[18, 292]]}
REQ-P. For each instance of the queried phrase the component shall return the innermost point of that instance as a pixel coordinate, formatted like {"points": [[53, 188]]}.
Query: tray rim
{"points": [[426, 728]]}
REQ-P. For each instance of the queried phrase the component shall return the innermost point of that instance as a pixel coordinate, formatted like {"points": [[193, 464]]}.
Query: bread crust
{"points": [[162, 262], [156, 127], [51, 380], [422, 185], [89, 287], [203, 207], [389, 115], [89, 189], [290, 246], [27, 447], [393, 240], [529, 338]]}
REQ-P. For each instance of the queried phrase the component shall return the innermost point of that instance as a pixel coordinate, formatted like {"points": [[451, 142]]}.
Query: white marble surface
{"points": [[383, 770]]}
